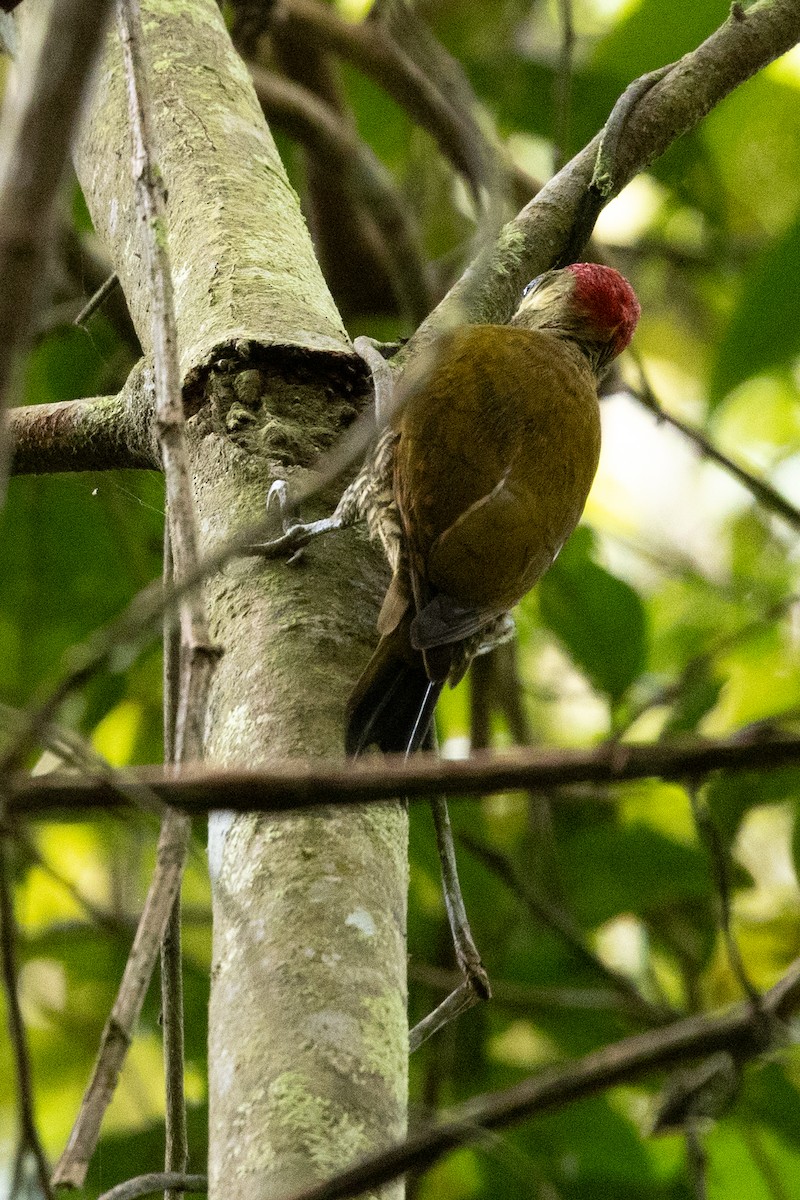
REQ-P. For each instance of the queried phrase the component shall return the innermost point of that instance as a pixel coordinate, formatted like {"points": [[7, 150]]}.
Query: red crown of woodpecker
{"points": [[606, 301]]}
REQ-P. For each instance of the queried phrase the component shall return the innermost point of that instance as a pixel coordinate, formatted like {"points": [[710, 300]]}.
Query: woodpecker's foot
{"points": [[296, 534]]}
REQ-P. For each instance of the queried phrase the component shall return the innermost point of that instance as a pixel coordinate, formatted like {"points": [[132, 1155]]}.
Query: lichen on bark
{"points": [[307, 1027]]}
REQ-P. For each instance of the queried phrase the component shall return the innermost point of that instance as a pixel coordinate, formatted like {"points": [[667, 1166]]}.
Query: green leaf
{"points": [[654, 33], [599, 618], [730, 797], [630, 869], [763, 333]]}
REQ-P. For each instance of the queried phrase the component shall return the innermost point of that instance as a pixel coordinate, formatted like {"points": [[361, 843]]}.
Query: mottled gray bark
{"points": [[307, 1023]]}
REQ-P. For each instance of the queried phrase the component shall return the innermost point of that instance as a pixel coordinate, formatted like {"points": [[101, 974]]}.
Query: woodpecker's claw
{"points": [[278, 495], [296, 534]]}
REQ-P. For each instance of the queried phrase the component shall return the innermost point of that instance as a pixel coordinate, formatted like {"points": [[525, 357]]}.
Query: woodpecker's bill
{"points": [[476, 486]]}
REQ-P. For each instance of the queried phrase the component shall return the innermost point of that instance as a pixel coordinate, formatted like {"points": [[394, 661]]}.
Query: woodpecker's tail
{"points": [[392, 704]]}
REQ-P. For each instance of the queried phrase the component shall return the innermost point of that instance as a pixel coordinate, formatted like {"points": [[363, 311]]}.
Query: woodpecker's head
{"points": [[592, 305]]}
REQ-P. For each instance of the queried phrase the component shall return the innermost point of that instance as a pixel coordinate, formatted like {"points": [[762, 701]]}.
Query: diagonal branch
{"points": [[489, 290], [627, 1061]]}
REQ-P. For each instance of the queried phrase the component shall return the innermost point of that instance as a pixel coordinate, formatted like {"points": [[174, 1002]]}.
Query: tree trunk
{"points": [[308, 1031]]}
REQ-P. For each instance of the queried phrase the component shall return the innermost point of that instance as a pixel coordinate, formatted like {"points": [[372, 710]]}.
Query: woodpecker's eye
{"points": [[530, 286]]}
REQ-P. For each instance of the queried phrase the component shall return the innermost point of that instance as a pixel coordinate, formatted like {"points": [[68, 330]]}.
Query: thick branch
{"points": [[489, 290], [98, 434], [299, 783]]}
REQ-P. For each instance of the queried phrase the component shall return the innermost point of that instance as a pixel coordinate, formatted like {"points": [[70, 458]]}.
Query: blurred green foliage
{"points": [[672, 612]]}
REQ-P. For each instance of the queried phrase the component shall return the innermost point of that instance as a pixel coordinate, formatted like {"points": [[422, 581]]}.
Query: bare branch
{"points": [[71, 1168], [97, 434], [148, 1185], [176, 1143], [298, 783], [198, 654], [197, 657], [93, 303], [176, 1151], [467, 956]]}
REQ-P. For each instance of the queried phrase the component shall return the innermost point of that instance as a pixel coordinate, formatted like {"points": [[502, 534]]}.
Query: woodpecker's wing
{"points": [[395, 605], [496, 530], [494, 463]]}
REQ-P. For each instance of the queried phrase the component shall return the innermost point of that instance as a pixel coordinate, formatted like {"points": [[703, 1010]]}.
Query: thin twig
{"points": [[764, 493], [186, 707], [298, 783], [199, 656], [176, 1150], [29, 1141], [460, 1000], [148, 1185], [117, 1035], [93, 303], [717, 853], [467, 956]]}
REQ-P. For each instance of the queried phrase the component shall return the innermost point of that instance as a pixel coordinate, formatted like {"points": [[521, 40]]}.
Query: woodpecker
{"points": [[475, 486]]}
